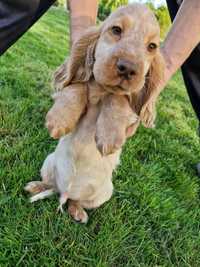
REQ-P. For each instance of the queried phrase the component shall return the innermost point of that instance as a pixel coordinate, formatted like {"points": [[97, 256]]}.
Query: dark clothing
{"points": [[191, 67], [17, 16]]}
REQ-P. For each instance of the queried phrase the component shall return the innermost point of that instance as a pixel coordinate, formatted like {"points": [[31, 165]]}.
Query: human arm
{"points": [[82, 15], [182, 38]]}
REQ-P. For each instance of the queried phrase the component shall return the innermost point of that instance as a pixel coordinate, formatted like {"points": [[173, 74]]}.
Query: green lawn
{"points": [[153, 218]]}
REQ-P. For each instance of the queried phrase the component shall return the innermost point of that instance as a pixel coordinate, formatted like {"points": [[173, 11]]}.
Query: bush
{"points": [[163, 19], [162, 16], [60, 3], [107, 6]]}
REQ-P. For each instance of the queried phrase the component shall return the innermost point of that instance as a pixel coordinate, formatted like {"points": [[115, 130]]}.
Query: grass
{"points": [[153, 218]]}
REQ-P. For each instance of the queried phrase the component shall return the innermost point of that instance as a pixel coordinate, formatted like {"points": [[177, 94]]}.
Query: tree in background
{"points": [[162, 16], [107, 6], [60, 3], [163, 19]]}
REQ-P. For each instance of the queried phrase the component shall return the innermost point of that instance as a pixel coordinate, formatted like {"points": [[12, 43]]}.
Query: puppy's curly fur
{"points": [[94, 102]]}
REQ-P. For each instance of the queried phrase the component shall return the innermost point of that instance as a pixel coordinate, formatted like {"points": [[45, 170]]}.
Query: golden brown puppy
{"points": [[109, 68], [121, 57]]}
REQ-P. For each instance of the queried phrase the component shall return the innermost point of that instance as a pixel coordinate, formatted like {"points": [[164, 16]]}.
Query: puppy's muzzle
{"points": [[126, 69]]}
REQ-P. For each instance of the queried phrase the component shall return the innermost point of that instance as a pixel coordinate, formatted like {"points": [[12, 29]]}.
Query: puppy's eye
{"points": [[116, 30], [152, 47]]}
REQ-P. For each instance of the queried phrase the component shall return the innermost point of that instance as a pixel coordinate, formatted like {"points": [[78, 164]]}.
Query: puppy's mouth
{"points": [[123, 84], [118, 88]]}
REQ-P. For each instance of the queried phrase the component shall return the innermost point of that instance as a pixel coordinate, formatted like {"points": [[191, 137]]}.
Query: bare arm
{"points": [[178, 45], [82, 15], [182, 38]]}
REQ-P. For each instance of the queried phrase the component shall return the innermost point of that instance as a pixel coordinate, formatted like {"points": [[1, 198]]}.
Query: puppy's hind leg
{"points": [[38, 190], [36, 187], [77, 212], [46, 187], [42, 195]]}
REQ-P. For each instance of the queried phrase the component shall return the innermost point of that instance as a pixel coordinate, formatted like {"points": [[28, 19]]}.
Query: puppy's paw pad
{"points": [[107, 147], [58, 127], [57, 130], [56, 133]]}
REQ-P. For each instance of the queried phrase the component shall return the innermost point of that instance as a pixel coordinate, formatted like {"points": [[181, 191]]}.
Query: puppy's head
{"points": [[128, 49], [122, 53]]}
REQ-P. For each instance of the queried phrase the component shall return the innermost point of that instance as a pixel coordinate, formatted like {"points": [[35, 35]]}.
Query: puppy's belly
{"points": [[82, 171]]}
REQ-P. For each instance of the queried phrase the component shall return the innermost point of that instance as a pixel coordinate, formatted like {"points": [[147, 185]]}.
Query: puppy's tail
{"points": [[42, 195]]}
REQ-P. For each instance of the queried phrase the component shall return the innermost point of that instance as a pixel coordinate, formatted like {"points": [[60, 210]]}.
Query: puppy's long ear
{"points": [[151, 91], [78, 67]]}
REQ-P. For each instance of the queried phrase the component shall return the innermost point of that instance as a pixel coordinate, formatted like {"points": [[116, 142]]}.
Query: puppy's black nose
{"points": [[126, 68]]}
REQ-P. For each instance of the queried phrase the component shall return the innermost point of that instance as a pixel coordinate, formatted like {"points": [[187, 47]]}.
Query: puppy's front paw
{"points": [[108, 144], [148, 115], [58, 123]]}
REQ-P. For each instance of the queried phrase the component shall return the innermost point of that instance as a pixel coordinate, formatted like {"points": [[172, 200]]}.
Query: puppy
{"points": [[112, 73]]}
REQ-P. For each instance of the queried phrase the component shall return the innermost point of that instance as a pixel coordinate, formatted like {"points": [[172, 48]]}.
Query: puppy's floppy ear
{"points": [[151, 91], [78, 67], [155, 75]]}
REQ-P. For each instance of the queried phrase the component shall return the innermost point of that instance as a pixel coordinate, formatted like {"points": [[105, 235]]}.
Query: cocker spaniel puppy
{"points": [[109, 80]]}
